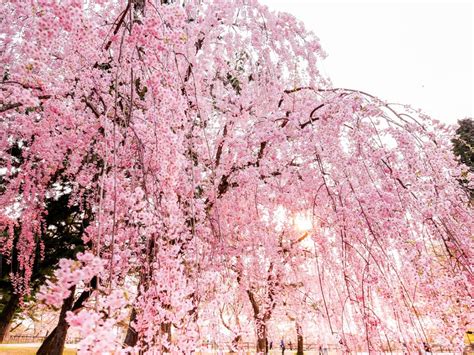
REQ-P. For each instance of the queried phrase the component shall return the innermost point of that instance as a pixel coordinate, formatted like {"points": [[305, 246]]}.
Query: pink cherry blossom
{"points": [[196, 133]]}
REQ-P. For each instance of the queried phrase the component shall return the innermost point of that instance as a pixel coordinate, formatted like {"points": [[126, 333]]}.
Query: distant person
{"points": [[282, 346], [271, 345], [323, 350], [290, 346]]}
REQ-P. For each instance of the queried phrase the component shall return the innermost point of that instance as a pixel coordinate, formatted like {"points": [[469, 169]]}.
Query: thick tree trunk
{"points": [[54, 343], [131, 338], [299, 337], [262, 346], [260, 325], [7, 315]]}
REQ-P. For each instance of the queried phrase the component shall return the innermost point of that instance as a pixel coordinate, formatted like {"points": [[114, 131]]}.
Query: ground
{"points": [[28, 349]]}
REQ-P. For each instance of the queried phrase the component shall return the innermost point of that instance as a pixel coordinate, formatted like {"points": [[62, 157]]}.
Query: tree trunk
{"points": [[166, 330], [235, 344], [299, 337], [131, 338], [260, 324], [54, 343], [7, 315], [262, 346]]}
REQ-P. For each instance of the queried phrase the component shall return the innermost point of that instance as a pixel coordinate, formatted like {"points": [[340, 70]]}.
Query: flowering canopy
{"points": [[196, 132]]}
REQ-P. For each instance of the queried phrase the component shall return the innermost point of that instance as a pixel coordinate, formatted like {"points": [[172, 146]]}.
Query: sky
{"points": [[410, 52]]}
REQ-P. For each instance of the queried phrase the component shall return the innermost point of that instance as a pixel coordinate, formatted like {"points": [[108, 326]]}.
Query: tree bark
{"points": [[131, 338], [235, 344], [260, 325], [299, 337], [54, 343], [166, 330], [262, 346], [7, 315]]}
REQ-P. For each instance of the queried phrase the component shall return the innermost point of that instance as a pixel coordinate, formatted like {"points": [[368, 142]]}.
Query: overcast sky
{"points": [[413, 52]]}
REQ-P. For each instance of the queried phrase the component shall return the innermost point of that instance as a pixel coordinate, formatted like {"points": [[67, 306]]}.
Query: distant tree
{"points": [[61, 237], [463, 148], [463, 144]]}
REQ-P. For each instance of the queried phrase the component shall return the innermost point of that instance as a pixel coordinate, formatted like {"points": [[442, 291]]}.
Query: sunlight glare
{"points": [[303, 222]]}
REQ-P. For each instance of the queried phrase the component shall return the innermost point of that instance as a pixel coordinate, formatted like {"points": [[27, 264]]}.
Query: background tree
{"points": [[60, 237], [463, 148], [463, 143]]}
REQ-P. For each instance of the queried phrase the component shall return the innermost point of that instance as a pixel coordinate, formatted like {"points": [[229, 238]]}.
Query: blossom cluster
{"points": [[70, 273]]}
